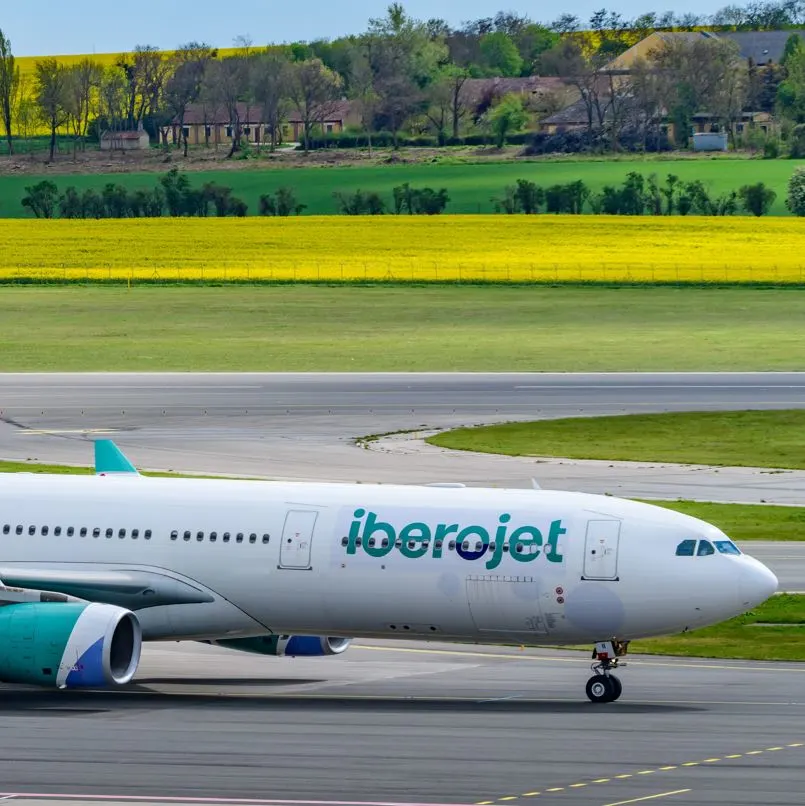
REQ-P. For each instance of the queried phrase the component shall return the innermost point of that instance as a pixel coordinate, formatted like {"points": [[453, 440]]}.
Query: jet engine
{"points": [[68, 645], [295, 646]]}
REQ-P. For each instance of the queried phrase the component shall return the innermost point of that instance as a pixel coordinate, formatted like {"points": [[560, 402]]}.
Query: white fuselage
{"points": [[382, 561]]}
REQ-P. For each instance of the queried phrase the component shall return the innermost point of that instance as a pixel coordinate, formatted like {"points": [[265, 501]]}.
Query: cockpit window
{"points": [[705, 548], [726, 547], [686, 548]]}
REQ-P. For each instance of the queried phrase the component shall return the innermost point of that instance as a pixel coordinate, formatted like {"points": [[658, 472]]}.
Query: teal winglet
{"points": [[110, 459]]}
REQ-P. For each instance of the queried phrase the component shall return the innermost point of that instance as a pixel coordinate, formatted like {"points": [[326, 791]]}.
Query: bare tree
{"points": [[82, 82], [9, 87], [271, 77], [183, 87], [316, 90], [225, 84], [698, 73], [145, 72], [51, 97], [113, 99], [361, 81]]}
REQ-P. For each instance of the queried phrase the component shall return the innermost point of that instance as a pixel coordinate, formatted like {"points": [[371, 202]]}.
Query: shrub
{"points": [[757, 199], [795, 201], [360, 203], [424, 201], [283, 203], [41, 199]]}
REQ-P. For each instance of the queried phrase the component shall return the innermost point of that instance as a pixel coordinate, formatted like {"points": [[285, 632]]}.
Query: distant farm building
{"points": [[203, 125], [130, 140]]}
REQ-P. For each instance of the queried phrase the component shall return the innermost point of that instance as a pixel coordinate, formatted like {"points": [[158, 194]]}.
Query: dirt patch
{"points": [[93, 161]]}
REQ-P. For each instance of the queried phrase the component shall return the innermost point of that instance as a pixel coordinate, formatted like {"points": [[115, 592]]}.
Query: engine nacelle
{"points": [[68, 645], [295, 646]]}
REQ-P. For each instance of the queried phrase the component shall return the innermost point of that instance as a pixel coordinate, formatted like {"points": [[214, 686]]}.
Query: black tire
{"points": [[617, 687], [600, 689]]}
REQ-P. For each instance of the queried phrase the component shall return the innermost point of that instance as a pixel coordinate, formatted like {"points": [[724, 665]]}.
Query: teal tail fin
{"points": [[110, 459]]}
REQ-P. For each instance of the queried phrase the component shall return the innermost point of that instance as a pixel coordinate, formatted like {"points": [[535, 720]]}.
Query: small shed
{"points": [[129, 140], [710, 141]]}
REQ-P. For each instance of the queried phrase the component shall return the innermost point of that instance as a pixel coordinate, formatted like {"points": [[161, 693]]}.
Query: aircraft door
{"points": [[297, 539], [601, 550]]}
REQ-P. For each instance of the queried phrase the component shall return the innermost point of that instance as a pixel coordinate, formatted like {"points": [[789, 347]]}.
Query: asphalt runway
{"points": [[413, 724], [304, 426], [401, 724]]}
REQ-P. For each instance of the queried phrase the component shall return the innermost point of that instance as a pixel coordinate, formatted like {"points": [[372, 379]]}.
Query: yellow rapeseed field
{"points": [[403, 248]]}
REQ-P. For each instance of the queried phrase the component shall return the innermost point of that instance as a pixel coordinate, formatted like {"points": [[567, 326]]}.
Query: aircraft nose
{"points": [[756, 583]]}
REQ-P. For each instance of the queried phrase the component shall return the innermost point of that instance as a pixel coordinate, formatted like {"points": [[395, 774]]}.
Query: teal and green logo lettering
{"points": [[524, 543]]}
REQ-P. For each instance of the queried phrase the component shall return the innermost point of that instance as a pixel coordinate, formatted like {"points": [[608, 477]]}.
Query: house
{"points": [[204, 125], [761, 48], [129, 140]]}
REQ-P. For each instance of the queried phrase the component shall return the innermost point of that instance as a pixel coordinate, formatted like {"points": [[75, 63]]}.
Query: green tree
{"points": [[532, 42], [506, 117], [757, 199], [500, 55], [9, 87], [41, 199], [791, 92], [795, 201]]}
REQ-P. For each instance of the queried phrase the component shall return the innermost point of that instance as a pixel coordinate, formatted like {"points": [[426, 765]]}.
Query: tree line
{"points": [[403, 73], [641, 195], [175, 196]]}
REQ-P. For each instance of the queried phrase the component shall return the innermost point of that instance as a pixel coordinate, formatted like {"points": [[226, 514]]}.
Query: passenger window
{"points": [[686, 548], [19, 530], [44, 531], [32, 530], [186, 535], [199, 536], [252, 538], [705, 548], [266, 538], [6, 529], [83, 531], [70, 531], [226, 537], [96, 532], [147, 534], [135, 533], [213, 537], [726, 547], [57, 530], [174, 535], [110, 532], [239, 538], [122, 533]]}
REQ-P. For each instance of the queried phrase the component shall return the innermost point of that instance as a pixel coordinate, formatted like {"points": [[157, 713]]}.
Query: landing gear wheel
{"points": [[601, 689], [617, 689]]}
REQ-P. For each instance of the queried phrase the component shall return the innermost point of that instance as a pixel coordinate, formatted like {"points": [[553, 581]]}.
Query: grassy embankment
{"points": [[319, 328], [471, 186]]}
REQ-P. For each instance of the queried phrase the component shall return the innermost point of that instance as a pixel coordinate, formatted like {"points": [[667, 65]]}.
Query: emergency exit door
{"points": [[297, 539], [601, 550]]}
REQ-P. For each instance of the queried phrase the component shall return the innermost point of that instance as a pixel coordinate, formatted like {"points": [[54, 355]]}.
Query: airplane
{"points": [[94, 565]]}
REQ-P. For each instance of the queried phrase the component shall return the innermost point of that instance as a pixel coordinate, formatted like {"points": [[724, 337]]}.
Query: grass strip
{"points": [[774, 439], [307, 328], [774, 630]]}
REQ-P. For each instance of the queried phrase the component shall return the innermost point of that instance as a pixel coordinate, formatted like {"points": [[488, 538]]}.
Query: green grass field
{"points": [[307, 328], [739, 438], [471, 186], [774, 630]]}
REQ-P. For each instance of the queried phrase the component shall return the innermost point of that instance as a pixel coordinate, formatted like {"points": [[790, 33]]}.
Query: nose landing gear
{"points": [[603, 686]]}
